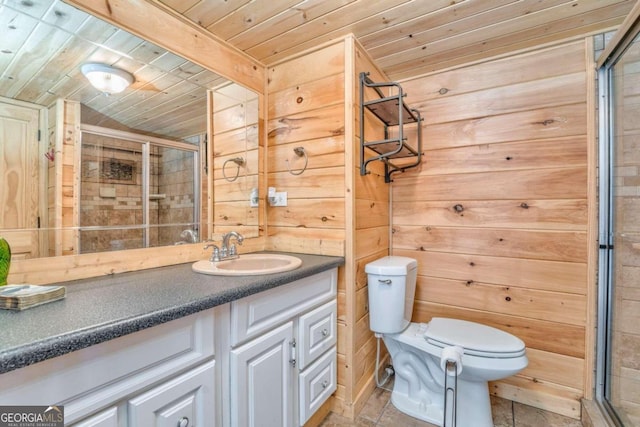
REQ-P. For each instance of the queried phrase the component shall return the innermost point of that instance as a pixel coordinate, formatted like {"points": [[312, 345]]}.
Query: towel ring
{"points": [[300, 152], [239, 161]]}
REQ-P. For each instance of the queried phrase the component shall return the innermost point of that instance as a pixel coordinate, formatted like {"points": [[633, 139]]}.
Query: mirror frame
{"points": [[156, 23]]}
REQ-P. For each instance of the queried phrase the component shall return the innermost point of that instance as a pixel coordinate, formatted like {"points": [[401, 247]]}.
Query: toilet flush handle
{"points": [[385, 282]]}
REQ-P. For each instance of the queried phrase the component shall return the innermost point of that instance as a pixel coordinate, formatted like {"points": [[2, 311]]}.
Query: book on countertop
{"points": [[20, 297]]}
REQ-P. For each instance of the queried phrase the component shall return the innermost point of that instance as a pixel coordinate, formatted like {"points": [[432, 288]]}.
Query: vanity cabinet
{"points": [[268, 359], [283, 352], [167, 371]]}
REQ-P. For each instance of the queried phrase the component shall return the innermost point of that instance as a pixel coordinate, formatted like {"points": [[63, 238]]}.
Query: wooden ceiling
{"points": [[44, 43], [405, 37]]}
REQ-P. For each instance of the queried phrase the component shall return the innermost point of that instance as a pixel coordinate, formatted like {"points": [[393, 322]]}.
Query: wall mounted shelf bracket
{"points": [[386, 102]]}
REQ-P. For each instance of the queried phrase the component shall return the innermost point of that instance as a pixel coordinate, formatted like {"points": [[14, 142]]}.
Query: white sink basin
{"points": [[249, 265]]}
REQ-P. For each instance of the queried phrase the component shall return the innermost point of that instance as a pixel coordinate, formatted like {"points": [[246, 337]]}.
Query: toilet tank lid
{"points": [[391, 266], [472, 336]]}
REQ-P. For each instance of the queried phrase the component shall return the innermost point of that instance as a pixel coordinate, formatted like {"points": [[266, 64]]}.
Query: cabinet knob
{"points": [[325, 384], [183, 422], [325, 332]]}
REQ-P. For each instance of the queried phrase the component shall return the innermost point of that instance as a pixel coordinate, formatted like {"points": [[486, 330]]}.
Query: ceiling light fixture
{"points": [[107, 79]]}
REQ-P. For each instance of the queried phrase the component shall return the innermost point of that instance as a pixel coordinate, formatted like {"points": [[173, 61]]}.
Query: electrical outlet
{"points": [[280, 199]]}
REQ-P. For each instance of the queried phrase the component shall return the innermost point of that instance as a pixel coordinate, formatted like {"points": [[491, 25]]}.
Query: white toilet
{"points": [[419, 352]]}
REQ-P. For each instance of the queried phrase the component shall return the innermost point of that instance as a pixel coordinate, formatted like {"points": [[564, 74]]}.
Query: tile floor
{"points": [[380, 412]]}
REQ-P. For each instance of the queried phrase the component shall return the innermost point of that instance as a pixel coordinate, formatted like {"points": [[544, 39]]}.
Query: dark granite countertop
{"points": [[103, 308]]}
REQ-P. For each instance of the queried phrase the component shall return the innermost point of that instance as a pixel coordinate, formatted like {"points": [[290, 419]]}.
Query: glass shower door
{"points": [[137, 194], [620, 293]]}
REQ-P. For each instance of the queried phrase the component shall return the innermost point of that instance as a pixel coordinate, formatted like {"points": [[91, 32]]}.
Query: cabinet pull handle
{"points": [[183, 422], [292, 361], [325, 384], [325, 332]]}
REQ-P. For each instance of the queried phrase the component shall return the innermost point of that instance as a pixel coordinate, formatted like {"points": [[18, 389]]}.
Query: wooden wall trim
{"points": [[57, 204], [73, 267], [592, 221], [158, 24], [349, 202]]}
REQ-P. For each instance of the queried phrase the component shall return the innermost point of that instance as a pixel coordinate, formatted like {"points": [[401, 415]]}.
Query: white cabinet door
{"points": [[262, 388], [186, 401]]}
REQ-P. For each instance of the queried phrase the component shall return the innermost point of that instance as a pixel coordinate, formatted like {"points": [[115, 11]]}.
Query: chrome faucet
{"points": [[189, 236], [227, 251]]}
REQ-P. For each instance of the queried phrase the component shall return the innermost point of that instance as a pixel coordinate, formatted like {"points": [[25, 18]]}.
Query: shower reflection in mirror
{"points": [[137, 191]]}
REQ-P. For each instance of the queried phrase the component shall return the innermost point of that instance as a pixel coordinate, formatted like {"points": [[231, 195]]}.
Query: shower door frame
{"points": [[622, 40]]}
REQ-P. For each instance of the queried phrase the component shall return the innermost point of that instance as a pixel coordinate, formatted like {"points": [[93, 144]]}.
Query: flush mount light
{"points": [[105, 78]]}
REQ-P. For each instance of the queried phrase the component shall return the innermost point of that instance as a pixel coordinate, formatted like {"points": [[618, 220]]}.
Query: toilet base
{"points": [[473, 405]]}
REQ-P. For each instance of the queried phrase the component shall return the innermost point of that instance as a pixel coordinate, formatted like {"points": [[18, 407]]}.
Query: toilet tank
{"points": [[392, 286]]}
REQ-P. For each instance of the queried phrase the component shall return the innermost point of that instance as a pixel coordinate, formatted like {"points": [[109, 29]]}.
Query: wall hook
{"points": [[239, 161], [300, 152]]}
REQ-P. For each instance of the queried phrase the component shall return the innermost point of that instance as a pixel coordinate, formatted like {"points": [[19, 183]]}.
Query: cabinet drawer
{"points": [[316, 384], [255, 314], [184, 401], [317, 332]]}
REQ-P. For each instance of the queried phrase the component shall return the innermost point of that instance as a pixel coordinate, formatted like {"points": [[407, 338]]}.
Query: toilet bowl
{"points": [[419, 351]]}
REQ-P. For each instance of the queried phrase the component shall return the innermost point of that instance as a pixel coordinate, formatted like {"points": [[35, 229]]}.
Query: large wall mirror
{"points": [[84, 171]]}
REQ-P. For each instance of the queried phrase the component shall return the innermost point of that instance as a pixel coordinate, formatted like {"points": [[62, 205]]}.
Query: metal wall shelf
{"points": [[391, 110]]}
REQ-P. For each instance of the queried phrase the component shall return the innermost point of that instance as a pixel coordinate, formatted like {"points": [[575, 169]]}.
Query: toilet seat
{"points": [[476, 339]]}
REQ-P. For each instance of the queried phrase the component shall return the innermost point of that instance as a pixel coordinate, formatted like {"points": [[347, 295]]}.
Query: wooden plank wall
{"points": [[313, 104], [68, 179], [235, 135], [306, 108], [497, 215]]}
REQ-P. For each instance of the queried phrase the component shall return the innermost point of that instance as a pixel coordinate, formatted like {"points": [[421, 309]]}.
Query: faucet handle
{"points": [[232, 250], [215, 254]]}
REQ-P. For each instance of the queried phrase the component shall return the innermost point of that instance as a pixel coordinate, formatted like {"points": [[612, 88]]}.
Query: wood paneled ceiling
{"points": [[405, 37], [43, 44]]}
